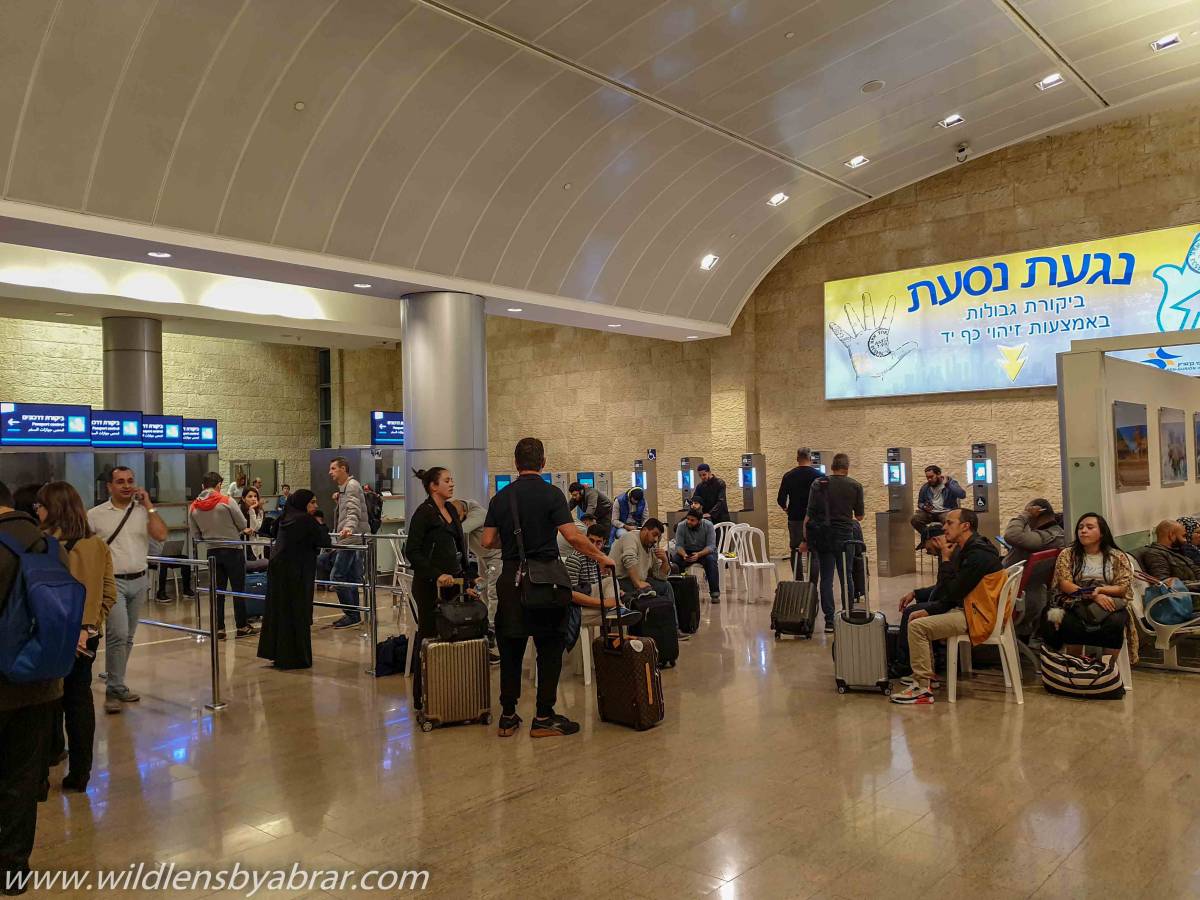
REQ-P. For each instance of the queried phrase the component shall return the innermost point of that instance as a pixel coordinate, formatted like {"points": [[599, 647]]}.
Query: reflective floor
{"points": [[763, 782]]}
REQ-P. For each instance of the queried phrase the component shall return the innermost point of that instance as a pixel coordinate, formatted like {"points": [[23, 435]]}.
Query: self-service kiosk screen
{"points": [[893, 473], [749, 477], [546, 478], [686, 482], [638, 480], [587, 479], [502, 481], [820, 467], [981, 471]]}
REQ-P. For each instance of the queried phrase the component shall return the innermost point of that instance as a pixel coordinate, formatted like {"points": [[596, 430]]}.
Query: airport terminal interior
{"points": [[827, 302]]}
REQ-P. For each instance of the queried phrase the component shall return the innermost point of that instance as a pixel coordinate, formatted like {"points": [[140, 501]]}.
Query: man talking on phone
{"points": [[127, 522]]}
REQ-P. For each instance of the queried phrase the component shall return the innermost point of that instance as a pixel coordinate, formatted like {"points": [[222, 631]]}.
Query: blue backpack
{"points": [[1175, 610], [40, 621]]}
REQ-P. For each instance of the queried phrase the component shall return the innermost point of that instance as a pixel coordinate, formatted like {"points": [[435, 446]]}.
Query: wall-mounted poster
{"points": [[1196, 436], [1132, 445], [1172, 445]]}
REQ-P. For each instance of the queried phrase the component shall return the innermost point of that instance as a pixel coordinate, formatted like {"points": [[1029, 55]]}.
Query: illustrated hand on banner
{"points": [[1179, 308], [867, 343]]}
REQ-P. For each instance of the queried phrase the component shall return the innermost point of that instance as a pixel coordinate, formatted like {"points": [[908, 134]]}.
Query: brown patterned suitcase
{"points": [[456, 682], [628, 682]]}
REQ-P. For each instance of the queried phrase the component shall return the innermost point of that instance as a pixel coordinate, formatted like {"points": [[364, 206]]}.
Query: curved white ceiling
{"points": [[588, 149]]}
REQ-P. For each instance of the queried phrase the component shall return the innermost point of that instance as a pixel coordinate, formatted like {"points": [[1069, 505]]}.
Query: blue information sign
{"points": [[387, 428], [162, 432], [45, 425], [199, 434], [116, 428]]}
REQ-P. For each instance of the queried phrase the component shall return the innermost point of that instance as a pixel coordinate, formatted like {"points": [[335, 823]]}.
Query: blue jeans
{"points": [[119, 629], [347, 566], [835, 561], [712, 570]]}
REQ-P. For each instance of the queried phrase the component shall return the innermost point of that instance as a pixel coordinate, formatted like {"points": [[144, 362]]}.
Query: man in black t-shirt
{"points": [[835, 504], [544, 516], [793, 498]]}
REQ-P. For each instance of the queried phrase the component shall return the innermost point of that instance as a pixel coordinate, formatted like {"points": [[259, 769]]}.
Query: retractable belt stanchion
{"points": [[200, 633]]}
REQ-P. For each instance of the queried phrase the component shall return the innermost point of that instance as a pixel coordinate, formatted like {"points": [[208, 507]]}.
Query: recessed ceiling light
{"points": [[362, 284], [298, 106], [567, 186], [708, 261], [614, 324], [286, 335], [693, 337], [159, 254], [516, 309], [855, 161], [1166, 42], [1054, 79], [872, 86], [951, 120], [778, 199], [65, 315], [789, 34]]}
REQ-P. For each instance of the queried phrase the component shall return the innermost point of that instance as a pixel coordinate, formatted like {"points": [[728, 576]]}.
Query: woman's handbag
{"points": [[1072, 676], [543, 583], [461, 618]]}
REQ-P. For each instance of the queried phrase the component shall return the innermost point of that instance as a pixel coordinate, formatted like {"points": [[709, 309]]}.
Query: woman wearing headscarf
{"points": [[286, 636], [1191, 545]]}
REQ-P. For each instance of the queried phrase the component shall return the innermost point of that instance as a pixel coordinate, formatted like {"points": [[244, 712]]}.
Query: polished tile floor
{"points": [[763, 782]]}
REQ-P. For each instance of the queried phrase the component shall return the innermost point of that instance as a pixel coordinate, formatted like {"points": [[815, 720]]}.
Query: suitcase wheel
{"points": [[841, 686], [426, 725], [778, 635], [886, 688], [485, 719]]}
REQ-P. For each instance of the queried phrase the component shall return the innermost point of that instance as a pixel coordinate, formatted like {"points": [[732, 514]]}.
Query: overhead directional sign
{"points": [[199, 434], [45, 425], [116, 428], [162, 432], [387, 428]]}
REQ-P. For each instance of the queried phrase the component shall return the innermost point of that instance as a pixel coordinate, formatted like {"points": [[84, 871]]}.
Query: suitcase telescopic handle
{"points": [[604, 629]]}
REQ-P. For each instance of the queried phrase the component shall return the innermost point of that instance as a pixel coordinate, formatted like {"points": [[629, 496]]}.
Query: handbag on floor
{"points": [[1073, 676]]}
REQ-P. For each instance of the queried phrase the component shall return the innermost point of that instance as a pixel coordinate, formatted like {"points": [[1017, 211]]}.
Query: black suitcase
{"points": [[658, 624], [687, 602], [628, 684], [795, 608]]}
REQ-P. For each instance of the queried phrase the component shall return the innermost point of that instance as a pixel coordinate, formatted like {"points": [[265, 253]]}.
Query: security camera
{"points": [[962, 151]]}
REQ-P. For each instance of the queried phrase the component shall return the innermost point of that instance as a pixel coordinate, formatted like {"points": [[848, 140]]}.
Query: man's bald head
{"points": [[1166, 532]]}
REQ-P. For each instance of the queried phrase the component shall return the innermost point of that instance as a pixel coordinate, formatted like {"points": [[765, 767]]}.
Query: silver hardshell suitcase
{"points": [[456, 683], [859, 637]]}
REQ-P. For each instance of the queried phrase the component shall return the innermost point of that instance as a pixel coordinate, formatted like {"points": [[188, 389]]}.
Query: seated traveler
{"points": [[696, 544], [938, 495], [631, 512], [1036, 528], [973, 558], [1094, 584], [1191, 532], [642, 566], [588, 587], [922, 600], [1164, 558]]}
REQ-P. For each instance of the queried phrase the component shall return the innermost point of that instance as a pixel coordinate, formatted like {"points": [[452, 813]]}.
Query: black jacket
{"points": [[1166, 562], [968, 566], [711, 495], [793, 491], [434, 546]]}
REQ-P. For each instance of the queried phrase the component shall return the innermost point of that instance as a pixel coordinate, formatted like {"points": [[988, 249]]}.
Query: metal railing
{"points": [[214, 655]]}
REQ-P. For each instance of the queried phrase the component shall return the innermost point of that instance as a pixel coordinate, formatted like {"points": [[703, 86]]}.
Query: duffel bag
{"points": [[1072, 676]]}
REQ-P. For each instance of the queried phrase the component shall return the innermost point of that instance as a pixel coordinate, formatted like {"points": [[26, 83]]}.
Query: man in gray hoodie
{"points": [[351, 521], [214, 516]]}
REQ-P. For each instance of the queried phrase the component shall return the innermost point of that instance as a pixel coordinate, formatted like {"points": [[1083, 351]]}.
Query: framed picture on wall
{"points": [[1172, 446], [1196, 439], [1131, 443]]}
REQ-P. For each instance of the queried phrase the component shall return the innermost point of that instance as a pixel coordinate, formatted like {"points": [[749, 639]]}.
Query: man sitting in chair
{"points": [[973, 557], [696, 545]]}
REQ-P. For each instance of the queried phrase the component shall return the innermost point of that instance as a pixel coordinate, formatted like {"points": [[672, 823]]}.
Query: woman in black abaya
{"points": [[286, 636]]}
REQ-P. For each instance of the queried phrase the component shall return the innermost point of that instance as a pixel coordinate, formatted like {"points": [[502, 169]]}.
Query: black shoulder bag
{"points": [[543, 583], [125, 518]]}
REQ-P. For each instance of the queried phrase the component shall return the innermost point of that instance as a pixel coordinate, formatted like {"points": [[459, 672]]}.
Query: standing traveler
{"points": [[286, 635], [437, 551], [63, 517], [251, 506], [285, 491], [793, 499], [214, 516], [835, 504], [590, 502], [239, 485], [523, 521], [126, 522], [487, 564], [350, 522], [710, 492], [26, 714]]}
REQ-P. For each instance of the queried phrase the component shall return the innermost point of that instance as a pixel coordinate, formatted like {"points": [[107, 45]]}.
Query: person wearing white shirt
{"points": [[127, 523]]}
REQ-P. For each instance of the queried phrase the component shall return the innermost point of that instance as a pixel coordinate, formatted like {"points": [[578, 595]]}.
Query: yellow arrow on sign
{"points": [[1013, 360]]}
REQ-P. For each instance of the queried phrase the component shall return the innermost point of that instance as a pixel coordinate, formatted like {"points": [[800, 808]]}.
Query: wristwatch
{"points": [[91, 629], [151, 509]]}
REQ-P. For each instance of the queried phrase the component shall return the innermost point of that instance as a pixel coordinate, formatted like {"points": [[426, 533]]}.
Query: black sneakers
{"points": [[509, 725], [552, 726]]}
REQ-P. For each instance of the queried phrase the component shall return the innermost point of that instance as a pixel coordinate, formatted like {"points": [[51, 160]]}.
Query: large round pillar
{"points": [[133, 377], [445, 390]]}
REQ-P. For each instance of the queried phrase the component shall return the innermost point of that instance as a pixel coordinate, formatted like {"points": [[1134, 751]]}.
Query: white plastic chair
{"points": [[1003, 636], [752, 557], [727, 543]]}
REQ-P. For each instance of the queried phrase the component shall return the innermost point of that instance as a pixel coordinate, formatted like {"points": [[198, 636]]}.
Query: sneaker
{"points": [[509, 725], [246, 631], [552, 726], [646, 593], [345, 622], [913, 696], [493, 657], [221, 634], [162, 598], [829, 626], [911, 681], [684, 636], [73, 782], [129, 696], [715, 599], [111, 704]]}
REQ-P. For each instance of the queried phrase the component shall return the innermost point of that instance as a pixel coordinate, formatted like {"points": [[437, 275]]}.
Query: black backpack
{"points": [[374, 511]]}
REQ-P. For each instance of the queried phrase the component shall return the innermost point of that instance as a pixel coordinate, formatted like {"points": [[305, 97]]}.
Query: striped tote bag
{"points": [[1071, 676]]}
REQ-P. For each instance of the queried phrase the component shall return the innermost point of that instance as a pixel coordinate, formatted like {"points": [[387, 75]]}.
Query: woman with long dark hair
{"points": [[1094, 584], [286, 636], [252, 509], [62, 514], [437, 551]]}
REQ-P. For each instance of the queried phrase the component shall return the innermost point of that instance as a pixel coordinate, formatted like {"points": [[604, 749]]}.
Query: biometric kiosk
{"points": [[752, 477], [601, 481], [645, 476], [984, 492], [821, 460], [894, 533], [686, 479]]}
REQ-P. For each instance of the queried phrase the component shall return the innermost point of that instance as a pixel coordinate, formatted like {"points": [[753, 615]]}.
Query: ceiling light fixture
{"points": [[951, 120], [614, 324], [693, 337], [872, 86], [708, 261], [855, 162], [789, 34], [298, 106], [362, 284], [159, 254], [1054, 79], [516, 309], [65, 315], [778, 199], [1166, 42]]}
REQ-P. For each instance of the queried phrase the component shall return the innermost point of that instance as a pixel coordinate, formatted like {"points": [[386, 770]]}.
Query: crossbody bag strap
{"points": [[128, 512], [517, 531]]}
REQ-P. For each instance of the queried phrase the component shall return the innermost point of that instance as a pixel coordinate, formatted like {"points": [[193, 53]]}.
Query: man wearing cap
{"points": [[711, 494], [1036, 528]]}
